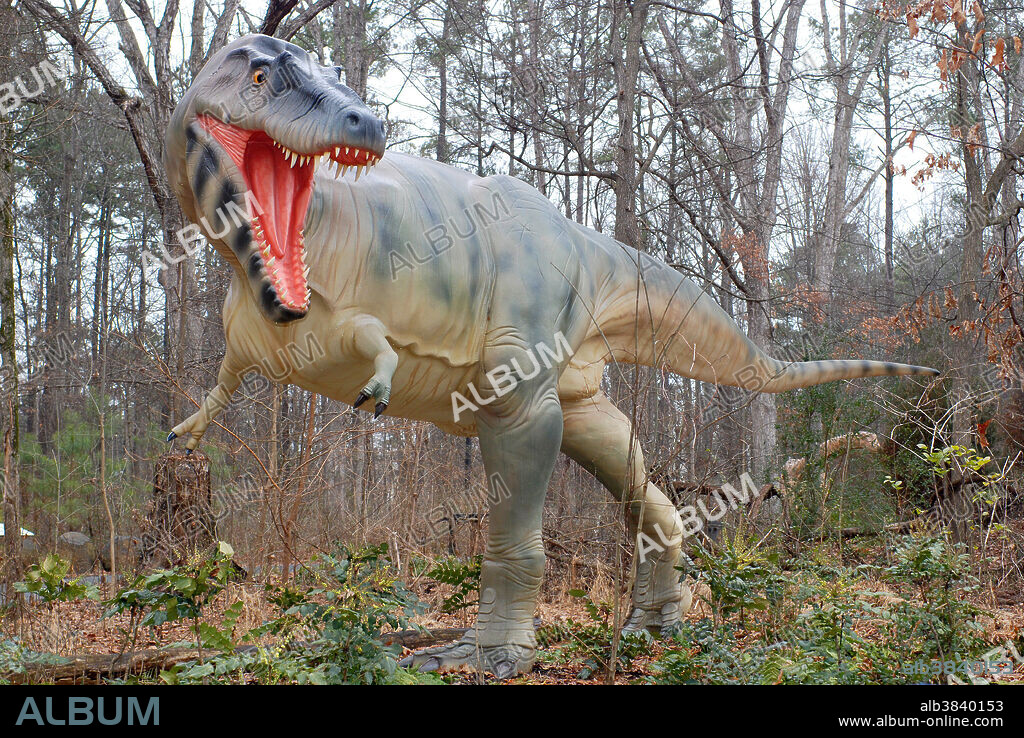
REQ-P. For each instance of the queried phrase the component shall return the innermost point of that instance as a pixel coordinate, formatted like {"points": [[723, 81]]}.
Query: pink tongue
{"points": [[273, 186]]}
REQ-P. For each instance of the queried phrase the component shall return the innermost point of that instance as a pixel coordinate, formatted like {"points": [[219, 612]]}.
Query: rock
{"points": [[74, 538]]}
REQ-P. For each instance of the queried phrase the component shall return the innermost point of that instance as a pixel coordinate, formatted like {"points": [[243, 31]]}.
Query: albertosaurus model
{"points": [[443, 296]]}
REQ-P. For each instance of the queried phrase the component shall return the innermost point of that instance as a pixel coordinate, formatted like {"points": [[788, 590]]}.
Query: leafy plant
{"points": [[330, 629], [590, 643], [939, 623], [15, 658], [336, 627], [740, 578], [463, 576], [713, 653], [825, 642], [823, 645], [49, 581], [179, 593]]}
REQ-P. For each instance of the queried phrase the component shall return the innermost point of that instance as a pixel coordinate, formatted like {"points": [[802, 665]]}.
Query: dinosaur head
{"points": [[241, 149]]}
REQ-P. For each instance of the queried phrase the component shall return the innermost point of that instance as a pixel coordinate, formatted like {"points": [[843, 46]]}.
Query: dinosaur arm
{"points": [[195, 426], [366, 337]]}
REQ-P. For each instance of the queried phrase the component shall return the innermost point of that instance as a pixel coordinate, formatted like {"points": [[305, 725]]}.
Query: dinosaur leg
{"points": [[597, 436], [195, 425], [519, 439]]}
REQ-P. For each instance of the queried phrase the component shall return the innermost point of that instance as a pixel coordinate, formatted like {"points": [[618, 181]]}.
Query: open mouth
{"points": [[281, 182]]}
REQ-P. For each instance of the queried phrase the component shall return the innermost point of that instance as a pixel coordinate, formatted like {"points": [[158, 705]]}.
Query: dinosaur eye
{"points": [[259, 76]]}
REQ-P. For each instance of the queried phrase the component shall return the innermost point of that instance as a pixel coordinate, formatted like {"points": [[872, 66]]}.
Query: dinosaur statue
{"points": [[426, 286]]}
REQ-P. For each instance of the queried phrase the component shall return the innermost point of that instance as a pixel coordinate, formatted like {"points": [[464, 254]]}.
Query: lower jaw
{"points": [[273, 309]]}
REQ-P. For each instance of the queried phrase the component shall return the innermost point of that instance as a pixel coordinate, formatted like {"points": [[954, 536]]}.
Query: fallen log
{"points": [[423, 638], [95, 668]]}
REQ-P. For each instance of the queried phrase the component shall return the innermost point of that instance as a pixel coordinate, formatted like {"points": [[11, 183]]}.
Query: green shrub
{"points": [[939, 623], [589, 644], [463, 576], [49, 580], [824, 641], [740, 577]]}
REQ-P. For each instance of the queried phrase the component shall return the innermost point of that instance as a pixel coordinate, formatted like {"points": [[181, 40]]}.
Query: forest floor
{"points": [[79, 627]]}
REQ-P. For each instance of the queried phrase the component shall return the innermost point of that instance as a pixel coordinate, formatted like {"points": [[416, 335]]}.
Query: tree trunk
{"points": [[9, 426], [629, 19], [350, 50], [180, 521]]}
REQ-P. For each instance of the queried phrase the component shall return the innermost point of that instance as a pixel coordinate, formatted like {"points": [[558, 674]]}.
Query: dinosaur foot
{"points": [[503, 662], [665, 620], [171, 436], [378, 409]]}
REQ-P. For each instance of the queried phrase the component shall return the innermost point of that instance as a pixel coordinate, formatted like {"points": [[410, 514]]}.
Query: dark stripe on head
{"points": [[255, 266], [241, 242], [206, 169], [227, 192], [243, 233]]}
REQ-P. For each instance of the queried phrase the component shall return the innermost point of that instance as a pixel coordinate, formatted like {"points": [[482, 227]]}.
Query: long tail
{"points": [[681, 328], [786, 376]]}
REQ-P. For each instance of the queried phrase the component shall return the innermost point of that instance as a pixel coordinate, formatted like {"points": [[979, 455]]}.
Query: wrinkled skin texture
{"points": [[423, 280]]}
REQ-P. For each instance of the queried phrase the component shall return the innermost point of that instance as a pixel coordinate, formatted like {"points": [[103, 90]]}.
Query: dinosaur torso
{"points": [[419, 246]]}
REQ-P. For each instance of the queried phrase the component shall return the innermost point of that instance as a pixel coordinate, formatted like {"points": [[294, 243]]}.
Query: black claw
{"points": [[363, 397], [188, 452], [171, 436], [380, 408]]}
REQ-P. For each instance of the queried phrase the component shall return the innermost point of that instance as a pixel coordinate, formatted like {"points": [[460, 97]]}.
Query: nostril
{"points": [[353, 119]]}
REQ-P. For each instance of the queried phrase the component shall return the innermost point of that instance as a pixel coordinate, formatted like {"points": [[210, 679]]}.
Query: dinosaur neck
{"points": [[315, 213]]}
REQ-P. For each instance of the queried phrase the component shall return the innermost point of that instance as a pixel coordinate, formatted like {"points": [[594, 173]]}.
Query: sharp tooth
{"points": [[337, 151], [344, 169], [346, 150], [359, 170]]}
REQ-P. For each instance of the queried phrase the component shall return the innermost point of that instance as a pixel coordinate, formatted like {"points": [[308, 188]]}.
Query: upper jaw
{"points": [[339, 158]]}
